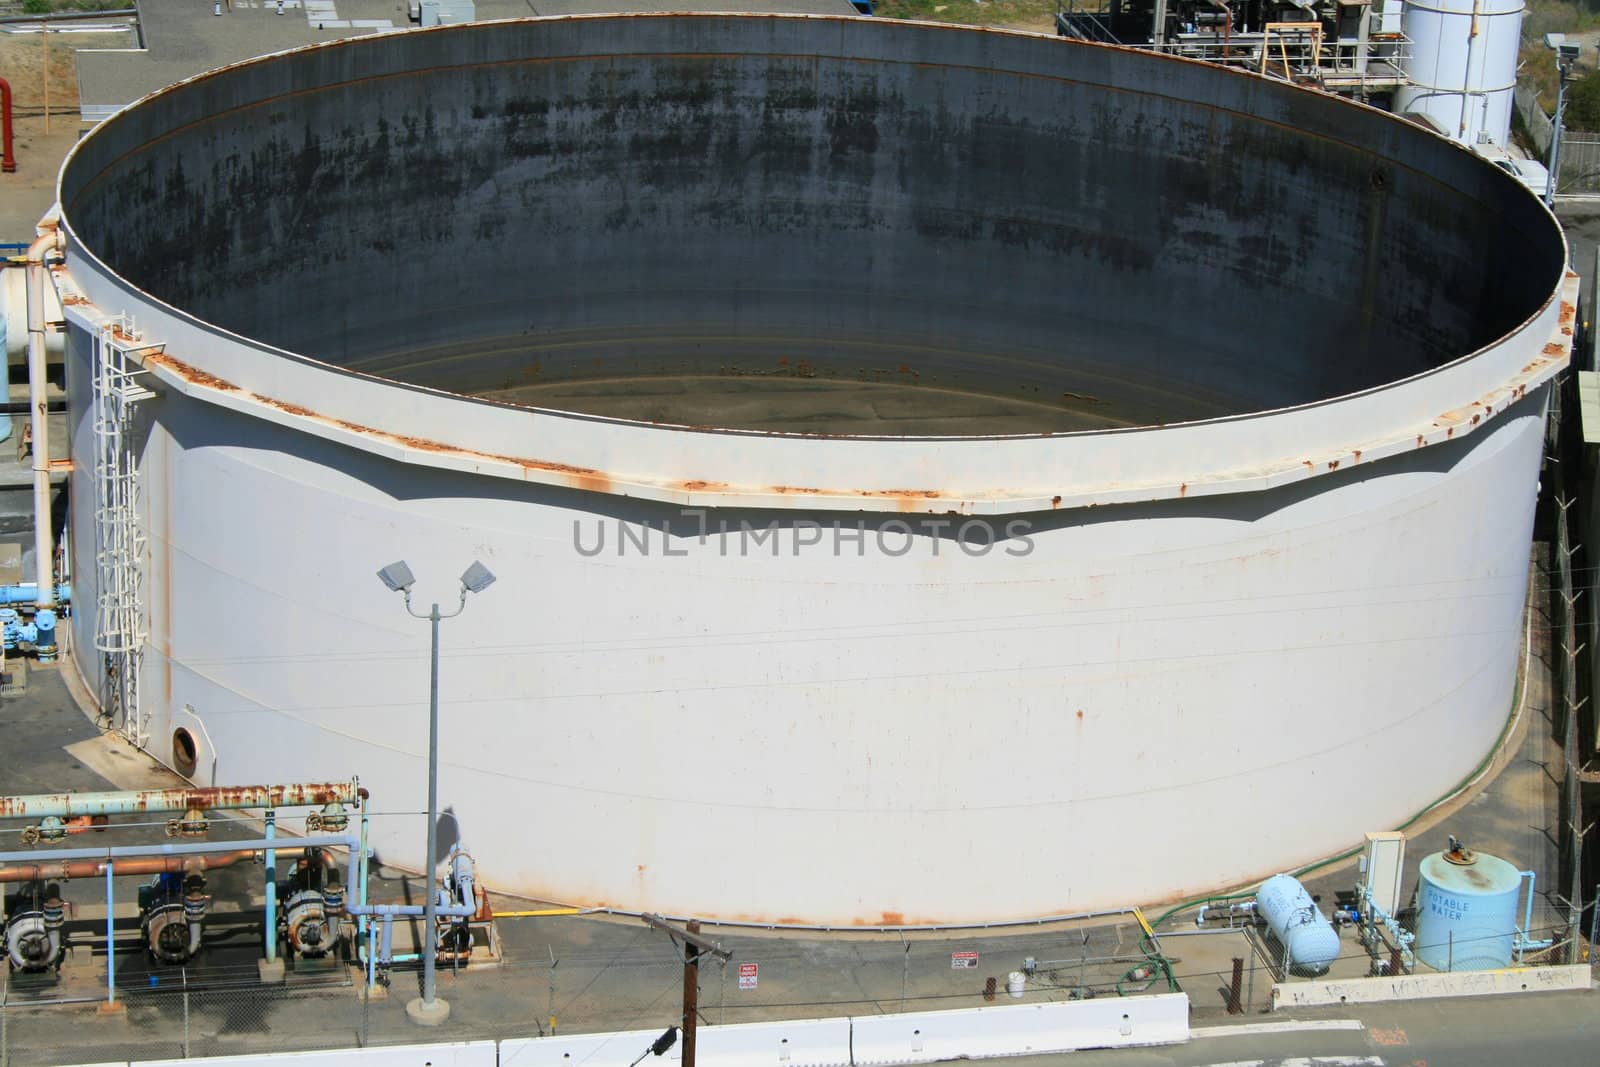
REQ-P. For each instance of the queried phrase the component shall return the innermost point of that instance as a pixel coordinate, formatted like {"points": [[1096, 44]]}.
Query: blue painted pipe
{"points": [[44, 639], [40, 633], [28, 593]]}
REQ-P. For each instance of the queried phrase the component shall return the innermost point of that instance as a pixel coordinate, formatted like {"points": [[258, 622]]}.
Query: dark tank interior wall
{"points": [[606, 198]]}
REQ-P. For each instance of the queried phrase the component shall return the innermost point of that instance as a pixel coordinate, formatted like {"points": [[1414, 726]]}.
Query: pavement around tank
{"points": [[603, 973]]}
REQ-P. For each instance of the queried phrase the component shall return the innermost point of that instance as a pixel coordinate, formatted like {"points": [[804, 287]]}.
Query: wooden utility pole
{"points": [[691, 991], [693, 945]]}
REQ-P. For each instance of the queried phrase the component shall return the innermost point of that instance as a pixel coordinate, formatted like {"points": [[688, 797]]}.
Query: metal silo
{"points": [[913, 458], [1462, 66]]}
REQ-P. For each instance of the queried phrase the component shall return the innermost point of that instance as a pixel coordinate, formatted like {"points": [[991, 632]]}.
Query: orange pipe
{"points": [[38, 872]]}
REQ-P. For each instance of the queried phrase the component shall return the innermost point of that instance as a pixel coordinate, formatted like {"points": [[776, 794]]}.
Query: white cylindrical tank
{"points": [[1466, 910], [1310, 943], [881, 663], [1462, 66]]}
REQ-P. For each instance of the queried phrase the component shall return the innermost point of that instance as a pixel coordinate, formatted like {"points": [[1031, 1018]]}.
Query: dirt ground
{"points": [[28, 193]]}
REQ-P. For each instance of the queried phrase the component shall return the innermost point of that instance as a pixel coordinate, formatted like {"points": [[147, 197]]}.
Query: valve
{"points": [[332, 817], [193, 824]]}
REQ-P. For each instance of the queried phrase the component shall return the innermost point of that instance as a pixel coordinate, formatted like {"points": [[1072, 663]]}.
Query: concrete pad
{"points": [[119, 763], [425, 1014]]}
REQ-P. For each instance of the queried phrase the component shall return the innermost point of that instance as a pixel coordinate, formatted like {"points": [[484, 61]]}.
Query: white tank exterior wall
{"points": [[1463, 82], [1071, 722]]}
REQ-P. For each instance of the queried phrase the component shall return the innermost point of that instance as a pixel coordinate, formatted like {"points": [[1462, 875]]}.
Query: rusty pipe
{"points": [[8, 162], [39, 872], [1466, 77], [186, 799], [46, 243]]}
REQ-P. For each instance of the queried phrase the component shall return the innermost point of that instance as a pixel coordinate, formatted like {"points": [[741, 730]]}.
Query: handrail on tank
{"points": [[183, 799]]}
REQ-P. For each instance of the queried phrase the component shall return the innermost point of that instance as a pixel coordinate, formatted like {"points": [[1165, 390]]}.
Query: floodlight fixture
{"points": [[398, 577], [476, 578]]}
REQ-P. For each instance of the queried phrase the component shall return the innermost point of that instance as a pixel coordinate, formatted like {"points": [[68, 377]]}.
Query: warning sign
{"points": [[960, 960], [748, 975]]}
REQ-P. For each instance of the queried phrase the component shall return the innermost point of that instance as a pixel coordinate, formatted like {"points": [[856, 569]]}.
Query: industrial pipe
{"points": [[38, 408], [449, 911], [35, 872], [387, 914], [28, 592], [8, 162], [1466, 77], [1521, 940], [67, 805], [191, 848]]}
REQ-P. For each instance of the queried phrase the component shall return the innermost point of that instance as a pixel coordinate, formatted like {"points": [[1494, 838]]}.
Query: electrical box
{"points": [[1386, 861]]}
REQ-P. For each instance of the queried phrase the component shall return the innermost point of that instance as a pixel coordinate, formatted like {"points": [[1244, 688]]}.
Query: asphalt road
{"points": [[1542, 1030]]}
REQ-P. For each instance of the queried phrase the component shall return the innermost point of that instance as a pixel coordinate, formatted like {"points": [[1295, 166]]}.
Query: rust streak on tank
{"points": [[284, 406], [185, 371]]}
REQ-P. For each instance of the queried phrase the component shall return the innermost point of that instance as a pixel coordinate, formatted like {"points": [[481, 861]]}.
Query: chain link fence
{"points": [[629, 979], [1580, 163], [621, 979]]}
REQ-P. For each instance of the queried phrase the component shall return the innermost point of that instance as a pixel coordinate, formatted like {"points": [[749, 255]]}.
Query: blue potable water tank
{"points": [[1310, 943], [1466, 910]]}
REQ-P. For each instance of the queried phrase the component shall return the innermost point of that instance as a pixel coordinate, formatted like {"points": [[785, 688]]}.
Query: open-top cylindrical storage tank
{"points": [[932, 474]]}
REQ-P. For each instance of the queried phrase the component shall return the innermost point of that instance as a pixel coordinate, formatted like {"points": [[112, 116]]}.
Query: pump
{"points": [[173, 912], [313, 906], [35, 916]]}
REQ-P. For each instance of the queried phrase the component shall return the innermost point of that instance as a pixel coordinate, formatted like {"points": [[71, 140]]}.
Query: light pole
{"points": [[429, 1010], [1566, 55]]}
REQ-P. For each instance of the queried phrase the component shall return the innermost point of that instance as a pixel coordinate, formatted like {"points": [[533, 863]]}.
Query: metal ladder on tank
{"points": [[119, 622]]}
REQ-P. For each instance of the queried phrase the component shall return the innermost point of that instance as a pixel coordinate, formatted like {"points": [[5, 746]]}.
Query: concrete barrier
{"points": [[921, 1037], [796, 1043], [1423, 986], [591, 1050], [801, 1043], [927, 1037], [458, 1054]]}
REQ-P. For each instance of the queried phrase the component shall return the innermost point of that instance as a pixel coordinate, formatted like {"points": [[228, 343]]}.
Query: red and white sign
{"points": [[748, 974], [961, 960]]}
